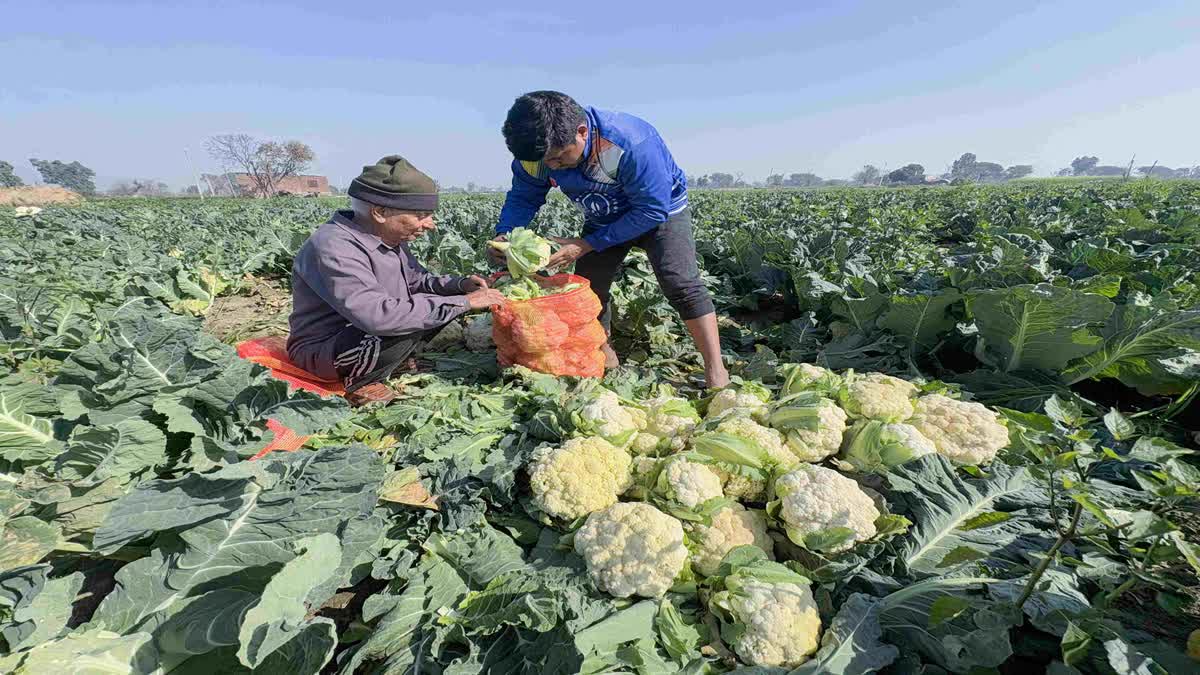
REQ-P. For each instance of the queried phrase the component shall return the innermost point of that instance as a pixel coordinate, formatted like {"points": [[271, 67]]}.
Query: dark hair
{"points": [[541, 120]]}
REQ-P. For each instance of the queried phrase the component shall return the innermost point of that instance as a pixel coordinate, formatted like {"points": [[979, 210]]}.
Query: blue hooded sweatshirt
{"points": [[627, 183]]}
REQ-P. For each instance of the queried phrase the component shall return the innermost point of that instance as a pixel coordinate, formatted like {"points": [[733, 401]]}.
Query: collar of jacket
{"points": [[368, 239]]}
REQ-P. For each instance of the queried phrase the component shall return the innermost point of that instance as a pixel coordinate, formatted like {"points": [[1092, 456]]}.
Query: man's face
{"points": [[569, 155], [397, 227]]}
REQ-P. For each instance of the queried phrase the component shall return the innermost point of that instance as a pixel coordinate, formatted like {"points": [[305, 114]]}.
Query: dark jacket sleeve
{"points": [[522, 202]]}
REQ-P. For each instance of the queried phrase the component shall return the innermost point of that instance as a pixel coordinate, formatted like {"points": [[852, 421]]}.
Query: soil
{"points": [[37, 195], [259, 308]]}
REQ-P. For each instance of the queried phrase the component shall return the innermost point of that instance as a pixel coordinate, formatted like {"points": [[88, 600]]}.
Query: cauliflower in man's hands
{"points": [[812, 426], [579, 477], [876, 396], [734, 525], [965, 432], [822, 509], [632, 548]]}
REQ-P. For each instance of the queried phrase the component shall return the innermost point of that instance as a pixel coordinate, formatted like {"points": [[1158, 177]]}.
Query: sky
{"points": [[133, 89]]}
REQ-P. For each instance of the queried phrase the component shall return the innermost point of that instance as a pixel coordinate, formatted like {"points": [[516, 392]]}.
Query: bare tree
{"points": [[267, 163]]}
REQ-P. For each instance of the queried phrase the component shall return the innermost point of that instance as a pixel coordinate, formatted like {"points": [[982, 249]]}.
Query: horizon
{"points": [[125, 87]]}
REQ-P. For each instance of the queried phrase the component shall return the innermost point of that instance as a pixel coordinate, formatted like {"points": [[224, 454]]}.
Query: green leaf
{"points": [[24, 438], [946, 608], [678, 637], [1120, 426], [1040, 326], [1093, 508], [920, 320], [852, 642], [103, 652], [1076, 642], [41, 607], [829, 539], [96, 454], [279, 614], [960, 555], [1125, 659], [1066, 412], [957, 644], [25, 540], [986, 520]]}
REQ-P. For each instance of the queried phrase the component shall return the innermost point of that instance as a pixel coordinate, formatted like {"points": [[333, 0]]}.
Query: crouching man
{"points": [[361, 303]]}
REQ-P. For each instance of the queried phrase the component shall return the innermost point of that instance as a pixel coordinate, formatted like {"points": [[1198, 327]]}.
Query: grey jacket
{"points": [[346, 276]]}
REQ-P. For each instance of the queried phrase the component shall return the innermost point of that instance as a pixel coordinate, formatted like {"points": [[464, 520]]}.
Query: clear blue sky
{"points": [[826, 87]]}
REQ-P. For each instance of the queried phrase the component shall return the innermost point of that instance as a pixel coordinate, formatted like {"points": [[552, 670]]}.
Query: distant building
{"points": [[242, 185]]}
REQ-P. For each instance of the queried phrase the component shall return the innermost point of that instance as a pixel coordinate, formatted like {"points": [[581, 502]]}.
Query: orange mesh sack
{"points": [[558, 334]]}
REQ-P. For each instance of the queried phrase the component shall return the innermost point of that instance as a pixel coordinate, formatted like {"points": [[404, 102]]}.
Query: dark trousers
{"points": [[671, 248], [362, 359]]}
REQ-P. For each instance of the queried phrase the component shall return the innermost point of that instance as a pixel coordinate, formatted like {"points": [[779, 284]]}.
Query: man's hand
{"points": [[568, 252], [495, 255], [472, 283], [485, 298]]}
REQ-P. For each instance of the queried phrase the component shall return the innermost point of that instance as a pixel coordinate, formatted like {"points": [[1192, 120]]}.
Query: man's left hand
{"points": [[472, 283], [569, 250]]}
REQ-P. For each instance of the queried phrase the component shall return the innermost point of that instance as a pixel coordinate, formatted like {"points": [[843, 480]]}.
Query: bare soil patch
{"points": [[260, 307], [37, 195]]}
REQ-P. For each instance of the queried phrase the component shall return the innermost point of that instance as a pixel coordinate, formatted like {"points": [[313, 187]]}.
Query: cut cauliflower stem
{"points": [[876, 396], [478, 333], [965, 432], [688, 483], [581, 476], [604, 416], [813, 499], [782, 625], [632, 548], [734, 525], [811, 444]]}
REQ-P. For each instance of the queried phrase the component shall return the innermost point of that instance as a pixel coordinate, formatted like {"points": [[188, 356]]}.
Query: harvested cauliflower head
{"points": [[799, 377], [964, 431], [811, 432], [478, 333], [688, 483], [813, 499], [741, 488], [632, 548], [579, 477], [669, 422], [604, 416], [782, 624], [749, 402], [765, 437], [734, 525], [876, 447], [876, 396]]}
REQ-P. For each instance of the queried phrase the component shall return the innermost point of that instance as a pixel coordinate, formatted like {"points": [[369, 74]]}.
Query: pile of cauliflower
{"points": [[666, 490]]}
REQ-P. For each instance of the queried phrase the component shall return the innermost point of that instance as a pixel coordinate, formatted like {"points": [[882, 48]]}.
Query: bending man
{"points": [[618, 170], [361, 303]]}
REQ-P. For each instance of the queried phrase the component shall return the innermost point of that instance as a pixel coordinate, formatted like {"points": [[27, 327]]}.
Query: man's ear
{"points": [[581, 130], [378, 214]]}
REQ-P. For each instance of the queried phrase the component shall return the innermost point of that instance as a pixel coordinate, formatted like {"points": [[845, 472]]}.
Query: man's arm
{"points": [[427, 282], [349, 285], [647, 183], [530, 185]]}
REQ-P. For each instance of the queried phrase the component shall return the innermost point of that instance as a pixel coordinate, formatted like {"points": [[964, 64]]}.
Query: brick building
{"points": [[241, 184]]}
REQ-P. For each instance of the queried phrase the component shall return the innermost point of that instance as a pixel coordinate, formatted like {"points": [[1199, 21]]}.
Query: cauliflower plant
{"points": [[800, 377], [744, 453], [579, 477], [876, 447], [604, 416], [812, 427], [750, 400], [734, 525], [964, 431], [812, 500], [688, 483], [478, 333], [632, 548], [876, 396]]}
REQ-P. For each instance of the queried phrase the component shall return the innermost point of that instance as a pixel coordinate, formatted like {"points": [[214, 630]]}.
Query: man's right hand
{"points": [[496, 256], [485, 298]]}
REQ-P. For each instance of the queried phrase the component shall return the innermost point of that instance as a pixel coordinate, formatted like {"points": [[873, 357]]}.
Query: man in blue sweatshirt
{"points": [[619, 172]]}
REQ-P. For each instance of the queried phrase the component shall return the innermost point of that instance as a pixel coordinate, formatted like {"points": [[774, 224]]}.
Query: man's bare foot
{"points": [[376, 392], [716, 378], [610, 356]]}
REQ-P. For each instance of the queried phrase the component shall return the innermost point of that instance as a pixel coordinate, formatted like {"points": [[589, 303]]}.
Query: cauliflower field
{"points": [[960, 438]]}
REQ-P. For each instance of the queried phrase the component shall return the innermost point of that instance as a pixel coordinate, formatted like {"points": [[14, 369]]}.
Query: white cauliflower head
{"points": [[632, 548], [965, 432], [478, 333], [765, 437], [813, 499], [812, 431], [688, 483], [579, 477], [734, 525], [876, 396], [749, 401], [782, 624], [799, 377], [604, 416], [670, 420], [741, 488]]}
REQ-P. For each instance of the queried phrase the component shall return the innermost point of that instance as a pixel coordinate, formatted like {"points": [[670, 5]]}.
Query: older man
{"points": [[361, 303]]}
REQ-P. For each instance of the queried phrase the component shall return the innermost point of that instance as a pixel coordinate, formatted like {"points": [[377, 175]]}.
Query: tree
{"points": [[775, 180], [139, 188], [8, 178], [73, 176], [267, 163], [722, 180], [1107, 170], [1018, 171], [802, 180], [963, 168], [909, 174], [1083, 166], [868, 175]]}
